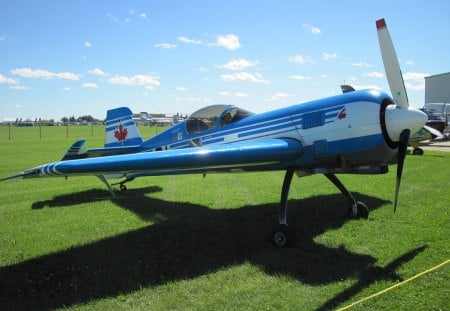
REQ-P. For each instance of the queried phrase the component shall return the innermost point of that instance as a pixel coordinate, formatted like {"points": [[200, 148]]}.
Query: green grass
{"points": [[188, 242]]}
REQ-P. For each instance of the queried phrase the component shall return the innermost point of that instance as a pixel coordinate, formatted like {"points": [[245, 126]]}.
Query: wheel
{"points": [[123, 187], [359, 211], [418, 151], [282, 236]]}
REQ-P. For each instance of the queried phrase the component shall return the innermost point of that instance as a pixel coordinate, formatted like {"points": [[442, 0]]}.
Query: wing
{"points": [[263, 155], [426, 133]]}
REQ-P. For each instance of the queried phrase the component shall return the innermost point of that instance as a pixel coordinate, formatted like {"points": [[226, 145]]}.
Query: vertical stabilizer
{"points": [[391, 65], [121, 129]]}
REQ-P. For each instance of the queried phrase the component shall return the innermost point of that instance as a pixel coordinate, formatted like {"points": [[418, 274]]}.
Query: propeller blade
{"points": [[402, 146], [391, 66]]}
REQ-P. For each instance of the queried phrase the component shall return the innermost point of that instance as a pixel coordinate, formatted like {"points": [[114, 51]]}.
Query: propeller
{"points": [[401, 119], [402, 146]]}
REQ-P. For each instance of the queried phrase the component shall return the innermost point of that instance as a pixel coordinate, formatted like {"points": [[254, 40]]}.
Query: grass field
{"points": [[190, 243]]}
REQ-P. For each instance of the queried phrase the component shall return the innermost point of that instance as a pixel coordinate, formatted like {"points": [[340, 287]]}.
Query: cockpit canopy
{"points": [[214, 116]]}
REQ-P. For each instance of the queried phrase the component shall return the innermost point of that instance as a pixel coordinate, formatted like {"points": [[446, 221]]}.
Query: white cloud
{"points": [[87, 44], [300, 78], [45, 74], [410, 63], [18, 87], [188, 40], [312, 29], [230, 42], [3, 37], [147, 81], [195, 99], [329, 56], [143, 15], [165, 46], [67, 89], [7, 80], [280, 96], [89, 85], [374, 74], [244, 76], [300, 59], [239, 64], [361, 64], [181, 89], [112, 17], [233, 94], [364, 87], [97, 72], [414, 76], [415, 81]]}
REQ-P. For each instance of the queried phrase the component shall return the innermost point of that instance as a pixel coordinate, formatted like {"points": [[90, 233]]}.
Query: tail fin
{"points": [[121, 129]]}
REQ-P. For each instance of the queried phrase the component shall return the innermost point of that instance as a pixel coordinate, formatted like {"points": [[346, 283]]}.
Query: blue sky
{"points": [[64, 58]]}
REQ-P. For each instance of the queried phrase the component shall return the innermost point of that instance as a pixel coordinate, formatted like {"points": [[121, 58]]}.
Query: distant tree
{"points": [[64, 120], [89, 119], [72, 119]]}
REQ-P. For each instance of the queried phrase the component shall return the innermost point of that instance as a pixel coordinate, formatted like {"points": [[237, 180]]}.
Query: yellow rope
{"points": [[396, 285]]}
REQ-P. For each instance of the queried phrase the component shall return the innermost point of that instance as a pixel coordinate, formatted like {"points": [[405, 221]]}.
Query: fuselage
{"points": [[340, 131]]}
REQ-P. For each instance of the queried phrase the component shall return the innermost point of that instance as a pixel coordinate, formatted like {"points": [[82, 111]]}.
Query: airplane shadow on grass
{"points": [[187, 241]]}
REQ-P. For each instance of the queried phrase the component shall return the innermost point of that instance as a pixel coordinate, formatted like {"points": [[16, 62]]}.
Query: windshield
{"points": [[212, 116]]}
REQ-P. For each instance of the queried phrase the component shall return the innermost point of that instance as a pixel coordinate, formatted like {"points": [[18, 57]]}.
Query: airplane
{"points": [[353, 133], [425, 133]]}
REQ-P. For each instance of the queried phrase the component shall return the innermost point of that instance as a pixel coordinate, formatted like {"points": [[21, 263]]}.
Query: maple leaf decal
{"points": [[342, 114], [121, 133]]}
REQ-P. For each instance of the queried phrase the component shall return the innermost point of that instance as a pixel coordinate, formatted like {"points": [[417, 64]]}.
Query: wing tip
{"points": [[381, 23]]}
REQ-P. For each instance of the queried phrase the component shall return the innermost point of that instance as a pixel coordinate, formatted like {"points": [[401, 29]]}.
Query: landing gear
{"points": [[121, 184], [418, 151], [110, 189], [357, 209], [282, 236]]}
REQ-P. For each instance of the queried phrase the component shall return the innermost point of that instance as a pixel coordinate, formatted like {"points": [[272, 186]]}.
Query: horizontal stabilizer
{"points": [[74, 150]]}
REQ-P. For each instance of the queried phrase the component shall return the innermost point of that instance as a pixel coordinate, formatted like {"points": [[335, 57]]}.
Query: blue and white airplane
{"points": [[353, 133]]}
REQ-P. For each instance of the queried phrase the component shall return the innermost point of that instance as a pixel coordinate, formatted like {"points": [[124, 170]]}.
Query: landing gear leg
{"points": [[103, 179], [357, 209], [281, 235]]}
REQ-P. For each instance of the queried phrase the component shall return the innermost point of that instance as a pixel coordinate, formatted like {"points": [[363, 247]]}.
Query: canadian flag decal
{"points": [[121, 133]]}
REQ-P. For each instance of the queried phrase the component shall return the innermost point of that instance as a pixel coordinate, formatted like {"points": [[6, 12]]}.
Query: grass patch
{"points": [[188, 242]]}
